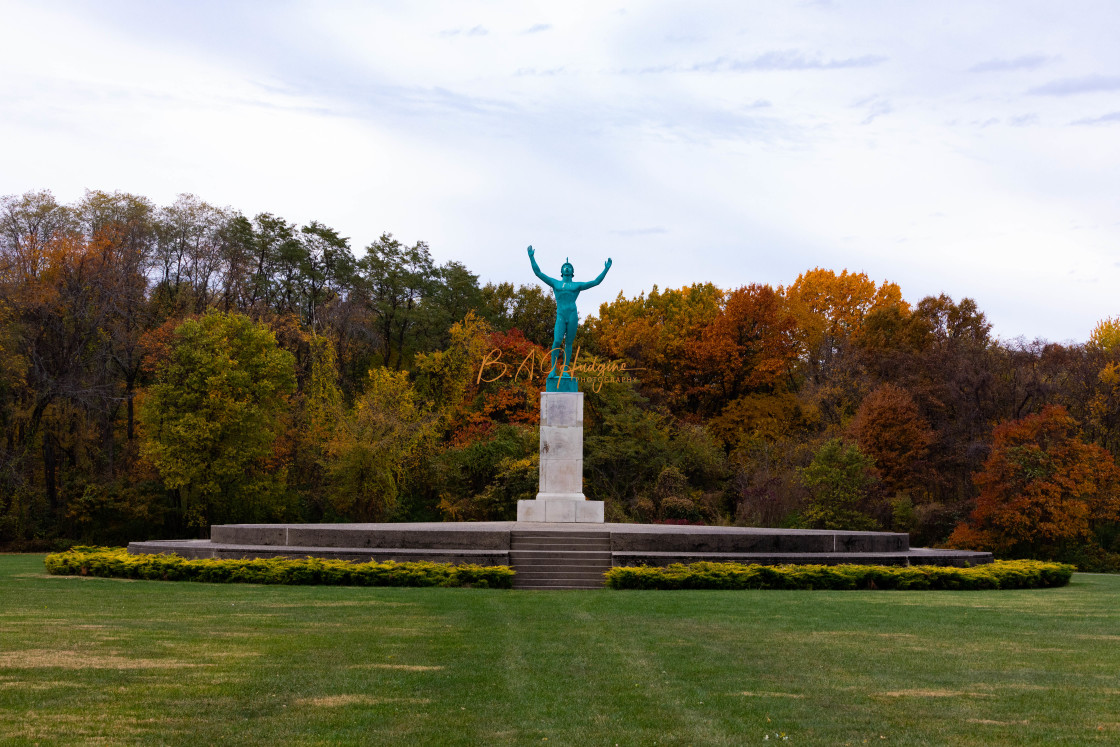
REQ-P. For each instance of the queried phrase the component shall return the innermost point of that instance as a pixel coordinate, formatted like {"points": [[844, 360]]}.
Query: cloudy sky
{"points": [[970, 148]]}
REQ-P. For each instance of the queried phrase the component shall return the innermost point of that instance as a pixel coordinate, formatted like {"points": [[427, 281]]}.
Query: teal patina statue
{"points": [[566, 291]]}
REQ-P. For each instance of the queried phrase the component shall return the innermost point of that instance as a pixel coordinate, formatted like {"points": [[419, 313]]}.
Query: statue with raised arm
{"points": [[566, 291]]}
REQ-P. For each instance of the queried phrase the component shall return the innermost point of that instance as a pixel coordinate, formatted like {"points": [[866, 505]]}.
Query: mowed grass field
{"points": [[103, 661]]}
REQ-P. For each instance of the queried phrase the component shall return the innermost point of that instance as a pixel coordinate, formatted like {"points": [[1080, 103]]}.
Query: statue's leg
{"points": [[557, 341], [569, 337]]}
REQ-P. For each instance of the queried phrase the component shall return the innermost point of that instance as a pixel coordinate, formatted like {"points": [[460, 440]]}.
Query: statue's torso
{"points": [[566, 294]]}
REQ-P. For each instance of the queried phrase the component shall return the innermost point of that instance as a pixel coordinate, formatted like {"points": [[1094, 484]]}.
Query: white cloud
{"points": [[1110, 118], [1023, 62], [1073, 86]]}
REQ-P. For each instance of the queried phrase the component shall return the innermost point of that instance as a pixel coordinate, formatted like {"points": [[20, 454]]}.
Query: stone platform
{"points": [[558, 555]]}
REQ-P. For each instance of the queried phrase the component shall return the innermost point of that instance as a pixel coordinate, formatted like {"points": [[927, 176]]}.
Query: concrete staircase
{"points": [[559, 560]]}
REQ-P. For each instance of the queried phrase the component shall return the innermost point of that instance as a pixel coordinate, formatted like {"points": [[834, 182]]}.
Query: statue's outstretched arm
{"points": [[596, 281], [550, 282]]}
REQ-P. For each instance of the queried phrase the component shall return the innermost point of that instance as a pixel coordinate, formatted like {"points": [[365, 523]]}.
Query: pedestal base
{"points": [[563, 383], [566, 510]]}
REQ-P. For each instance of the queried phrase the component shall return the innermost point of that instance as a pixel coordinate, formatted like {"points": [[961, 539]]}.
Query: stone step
{"points": [[561, 562], [558, 542], [564, 539], [561, 583], [556, 588], [579, 570], [559, 538], [557, 551], [541, 567], [587, 582], [536, 552], [604, 558], [558, 545], [547, 534], [537, 564], [579, 558], [560, 559], [552, 552]]}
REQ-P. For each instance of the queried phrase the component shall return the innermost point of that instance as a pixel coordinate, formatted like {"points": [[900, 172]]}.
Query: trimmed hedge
{"points": [[1002, 574], [116, 562]]}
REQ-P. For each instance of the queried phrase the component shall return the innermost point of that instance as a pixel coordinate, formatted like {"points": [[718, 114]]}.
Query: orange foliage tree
{"points": [[698, 349], [748, 347], [483, 379], [889, 428], [656, 334], [1042, 489]]}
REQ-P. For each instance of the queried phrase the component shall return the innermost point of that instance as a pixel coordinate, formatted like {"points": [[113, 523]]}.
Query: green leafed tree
{"points": [[212, 415], [839, 480], [527, 308], [396, 279]]}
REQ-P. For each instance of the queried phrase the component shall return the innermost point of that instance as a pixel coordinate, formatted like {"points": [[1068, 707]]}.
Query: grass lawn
{"points": [[110, 661]]}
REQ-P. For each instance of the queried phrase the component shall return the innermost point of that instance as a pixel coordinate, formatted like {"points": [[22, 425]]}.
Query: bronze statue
{"points": [[566, 291]]}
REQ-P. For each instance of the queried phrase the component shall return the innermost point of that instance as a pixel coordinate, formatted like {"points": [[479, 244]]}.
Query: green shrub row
{"points": [[118, 563], [1002, 574]]}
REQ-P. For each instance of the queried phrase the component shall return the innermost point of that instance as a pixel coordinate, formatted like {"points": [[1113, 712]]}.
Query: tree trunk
{"points": [[50, 469], [130, 431]]}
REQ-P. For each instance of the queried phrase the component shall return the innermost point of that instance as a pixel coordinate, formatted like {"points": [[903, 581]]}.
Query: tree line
{"points": [[163, 368]]}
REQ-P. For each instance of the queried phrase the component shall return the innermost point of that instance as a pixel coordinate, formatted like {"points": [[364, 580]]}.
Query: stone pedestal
{"points": [[560, 497]]}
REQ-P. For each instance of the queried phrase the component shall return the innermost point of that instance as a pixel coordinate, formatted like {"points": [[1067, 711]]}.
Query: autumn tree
{"points": [[481, 380], [63, 301], [1043, 491], [765, 488], [374, 446], [1106, 334], [742, 364], [211, 417], [446, 379], [453, 293], [1102, 419], [123, 227], [748, 347], [890, 430], [485, 455], [830, 307], [310, 425], [831, 311], [941, 352], [655, 333], [30, 225], [626, 446]]}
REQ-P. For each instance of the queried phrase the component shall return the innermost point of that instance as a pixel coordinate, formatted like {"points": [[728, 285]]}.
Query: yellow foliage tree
{"points": [[829, 307], [374, 445], [1106, 335], [1104, 406]]}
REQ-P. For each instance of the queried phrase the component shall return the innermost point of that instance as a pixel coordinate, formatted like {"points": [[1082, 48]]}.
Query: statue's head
{"points": [[566, 270]]}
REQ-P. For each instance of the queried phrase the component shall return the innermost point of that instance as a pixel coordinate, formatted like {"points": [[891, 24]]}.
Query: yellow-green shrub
{"points": [[1004, 574], [118, 563]]}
